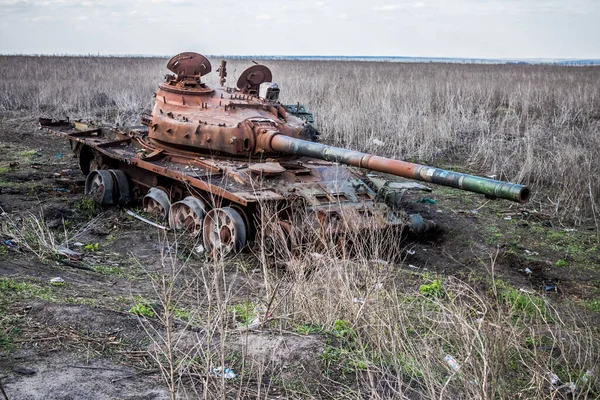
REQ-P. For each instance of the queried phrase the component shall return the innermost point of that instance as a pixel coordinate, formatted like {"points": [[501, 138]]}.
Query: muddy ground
{"points": [[80, 340]]}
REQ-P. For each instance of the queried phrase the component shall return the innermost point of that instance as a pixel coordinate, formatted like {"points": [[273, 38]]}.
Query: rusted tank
{"points": [[210, 160]]}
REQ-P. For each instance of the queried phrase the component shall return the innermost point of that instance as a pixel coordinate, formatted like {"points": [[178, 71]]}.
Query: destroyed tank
{"points": [[210, 160]]}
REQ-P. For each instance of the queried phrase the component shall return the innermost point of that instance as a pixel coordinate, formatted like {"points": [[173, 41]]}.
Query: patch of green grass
{"points": [[82, 301], [244, 312], [182, 314], [433, 289], [87, 206], [593, 305], [92, 247], [142, 308], [562, 263], [342, 329], [308, 329], [347, 361], [4, 170], [108, 270], [521, 303], [27, 153], [11, 290]]}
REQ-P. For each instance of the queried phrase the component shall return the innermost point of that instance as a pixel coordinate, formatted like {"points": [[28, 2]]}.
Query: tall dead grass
{"points": [[538, 125], [385, 332]]}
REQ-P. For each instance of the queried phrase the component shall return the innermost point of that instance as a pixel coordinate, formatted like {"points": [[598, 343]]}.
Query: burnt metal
{"points": [[216, 156]]}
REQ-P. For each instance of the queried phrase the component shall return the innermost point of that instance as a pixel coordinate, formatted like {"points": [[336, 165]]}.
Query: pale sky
{"points": [[426, 28]]}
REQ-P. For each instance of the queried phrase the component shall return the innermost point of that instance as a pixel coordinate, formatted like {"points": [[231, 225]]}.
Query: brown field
{"points": [[510, 291]]}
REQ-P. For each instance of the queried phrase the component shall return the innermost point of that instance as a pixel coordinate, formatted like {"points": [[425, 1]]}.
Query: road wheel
{"points": [[224, 232], [99, 185], [157, 203], [187, 214]]}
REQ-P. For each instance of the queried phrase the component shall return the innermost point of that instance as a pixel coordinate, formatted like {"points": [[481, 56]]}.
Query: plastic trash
{"points": [[427, 200], [586, 377], [226, 373], [452, 363], [528, 271], [554, 380], [57, 281], [9, 243]]}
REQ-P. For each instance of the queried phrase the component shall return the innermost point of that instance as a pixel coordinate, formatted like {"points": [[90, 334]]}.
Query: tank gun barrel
{"points": [[489, 187]]}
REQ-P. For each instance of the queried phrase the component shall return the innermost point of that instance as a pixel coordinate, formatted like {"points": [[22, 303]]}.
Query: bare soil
{"points": [[81, 341]]}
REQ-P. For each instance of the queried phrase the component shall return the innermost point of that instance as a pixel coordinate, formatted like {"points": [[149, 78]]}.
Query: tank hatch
{"points": [[189, 65], [250, 80]]}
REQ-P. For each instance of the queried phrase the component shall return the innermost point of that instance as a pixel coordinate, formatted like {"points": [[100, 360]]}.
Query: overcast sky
{"points": [[426, 28]]}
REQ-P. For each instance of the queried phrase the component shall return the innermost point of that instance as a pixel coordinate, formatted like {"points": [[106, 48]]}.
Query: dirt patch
{"points": [[65, 375]]}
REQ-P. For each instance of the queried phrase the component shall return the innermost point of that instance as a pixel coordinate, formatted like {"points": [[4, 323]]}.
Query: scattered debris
{"points": [[528, 271], [199, 249], [57, 281], [59, 155], [78, 244], [378, 142], [61, 190], [13, 164], [23, 371], [226, 373], [427, 200], [412, 266], [526, 291], [70, 254], [10, 244], [135, 215], [570, 230], [531, 253], [411, 252], [452, 363], [554, 380], [508, 218], [358, 300]]}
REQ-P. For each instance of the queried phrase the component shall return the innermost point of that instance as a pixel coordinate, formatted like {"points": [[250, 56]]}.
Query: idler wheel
{"points": [[99, 186], [157, 203], [122, 185], [223, 232], [187, 214]]}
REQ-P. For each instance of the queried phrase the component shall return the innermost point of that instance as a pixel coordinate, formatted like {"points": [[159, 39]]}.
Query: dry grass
{"points": [[385, 331], [538, 125]]}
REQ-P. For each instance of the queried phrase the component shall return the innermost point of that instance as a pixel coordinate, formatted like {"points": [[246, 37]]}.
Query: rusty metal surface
{"points": [[228, 147]]}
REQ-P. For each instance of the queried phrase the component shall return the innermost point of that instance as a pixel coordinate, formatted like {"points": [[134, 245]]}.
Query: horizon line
{"points": [[319, 56]]}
